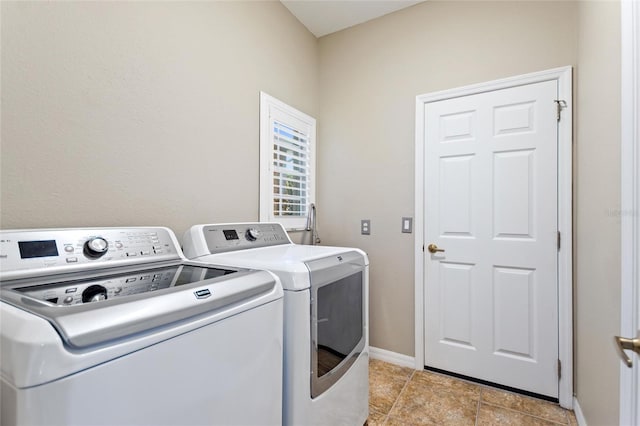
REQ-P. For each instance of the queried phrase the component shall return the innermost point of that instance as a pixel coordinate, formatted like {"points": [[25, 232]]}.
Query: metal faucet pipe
{"points": [[311, 224]]}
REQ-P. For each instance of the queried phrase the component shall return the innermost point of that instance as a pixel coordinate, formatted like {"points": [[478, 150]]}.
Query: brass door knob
{"points": [[434, 248], [627, 344]]}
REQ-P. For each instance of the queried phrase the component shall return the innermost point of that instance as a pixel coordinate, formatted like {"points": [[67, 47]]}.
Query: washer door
{"points": [[337, 317]]}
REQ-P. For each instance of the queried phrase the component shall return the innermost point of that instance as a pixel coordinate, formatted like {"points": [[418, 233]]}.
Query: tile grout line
{"points": [[478, 408], [398, 397], [529, 414]]}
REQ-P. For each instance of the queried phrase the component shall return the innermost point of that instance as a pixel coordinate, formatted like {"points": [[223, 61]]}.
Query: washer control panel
{"points": [[240, 236], [26, 252]]}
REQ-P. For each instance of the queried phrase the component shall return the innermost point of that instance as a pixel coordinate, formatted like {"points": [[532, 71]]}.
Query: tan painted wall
{"points": [[134, 113], [597, 201], [369, 78]]}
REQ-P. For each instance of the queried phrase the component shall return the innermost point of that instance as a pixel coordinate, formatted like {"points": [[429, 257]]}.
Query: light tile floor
{"points": [[403, 396]]}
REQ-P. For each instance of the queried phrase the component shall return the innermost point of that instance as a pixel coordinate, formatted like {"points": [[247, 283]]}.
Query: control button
{"points": [[132, 254], [69, 249], [96, 247], [145, 253], [118, 290], [68, 300], [146, 277], [71, 290], [130, 280], [72, 260], [252, 234], [119, 245], [158, 251]]}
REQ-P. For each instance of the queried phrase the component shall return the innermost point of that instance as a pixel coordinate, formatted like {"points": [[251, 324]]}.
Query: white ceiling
{"points": [[323, 17]]}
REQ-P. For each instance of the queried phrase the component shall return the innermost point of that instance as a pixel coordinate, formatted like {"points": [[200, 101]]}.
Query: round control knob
{"points": [[252, 234], [94, 293], [96, 247]]}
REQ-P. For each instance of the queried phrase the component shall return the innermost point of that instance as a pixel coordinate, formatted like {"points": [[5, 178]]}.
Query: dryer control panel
{"points": [[48, 251], [220, 238]]}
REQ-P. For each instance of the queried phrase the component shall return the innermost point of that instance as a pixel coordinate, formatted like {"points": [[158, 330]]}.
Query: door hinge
{"points": [[559, 240], [559, 369], [560, 105]]}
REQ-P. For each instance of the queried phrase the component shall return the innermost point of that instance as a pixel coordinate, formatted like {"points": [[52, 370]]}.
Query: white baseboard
{"points": [[578, 411], [392, 357]]}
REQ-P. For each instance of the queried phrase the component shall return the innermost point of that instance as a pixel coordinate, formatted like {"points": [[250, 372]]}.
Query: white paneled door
{"points": [[491, 207]]}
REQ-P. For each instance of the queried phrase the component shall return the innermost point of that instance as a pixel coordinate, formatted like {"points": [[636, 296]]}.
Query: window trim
{"points": [[270, 106]]}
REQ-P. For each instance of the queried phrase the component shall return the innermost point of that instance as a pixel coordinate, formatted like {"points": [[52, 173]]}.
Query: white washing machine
{"points": [[326, 347], [115, 327]]}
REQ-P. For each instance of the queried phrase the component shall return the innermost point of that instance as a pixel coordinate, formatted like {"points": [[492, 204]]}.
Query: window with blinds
{"points": [[287, 163]]}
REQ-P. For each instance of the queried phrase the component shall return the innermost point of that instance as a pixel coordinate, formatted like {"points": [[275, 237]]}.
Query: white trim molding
{"points": [[630, 204], [392, 357], [578, 412], [563, 76]]}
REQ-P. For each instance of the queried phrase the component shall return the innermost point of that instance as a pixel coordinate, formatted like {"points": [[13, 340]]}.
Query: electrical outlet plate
{"points": [[365, 226]]}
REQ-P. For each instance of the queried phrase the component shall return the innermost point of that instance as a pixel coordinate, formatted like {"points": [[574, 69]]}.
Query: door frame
{"points": [[563, 76], [630, 204]]}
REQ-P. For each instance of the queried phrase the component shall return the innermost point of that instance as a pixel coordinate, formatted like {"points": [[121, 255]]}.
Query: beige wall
{"points": [[369, 78], [134, 113], [597, 201]]}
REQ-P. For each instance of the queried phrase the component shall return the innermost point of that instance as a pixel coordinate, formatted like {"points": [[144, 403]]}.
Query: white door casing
{"points": [[630, 207], [500, 247]]}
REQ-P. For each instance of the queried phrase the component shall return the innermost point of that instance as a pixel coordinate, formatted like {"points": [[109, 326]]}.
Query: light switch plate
{"points": [[407, 225], [365, 226]]}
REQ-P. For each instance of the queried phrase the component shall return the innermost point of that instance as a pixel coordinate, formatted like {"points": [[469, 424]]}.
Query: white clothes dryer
{"points": [[114, 326], [326, 346]]}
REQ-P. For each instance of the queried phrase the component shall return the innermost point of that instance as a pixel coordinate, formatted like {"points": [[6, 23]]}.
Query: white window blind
{"points": [[291, 170], [287, 149]]}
